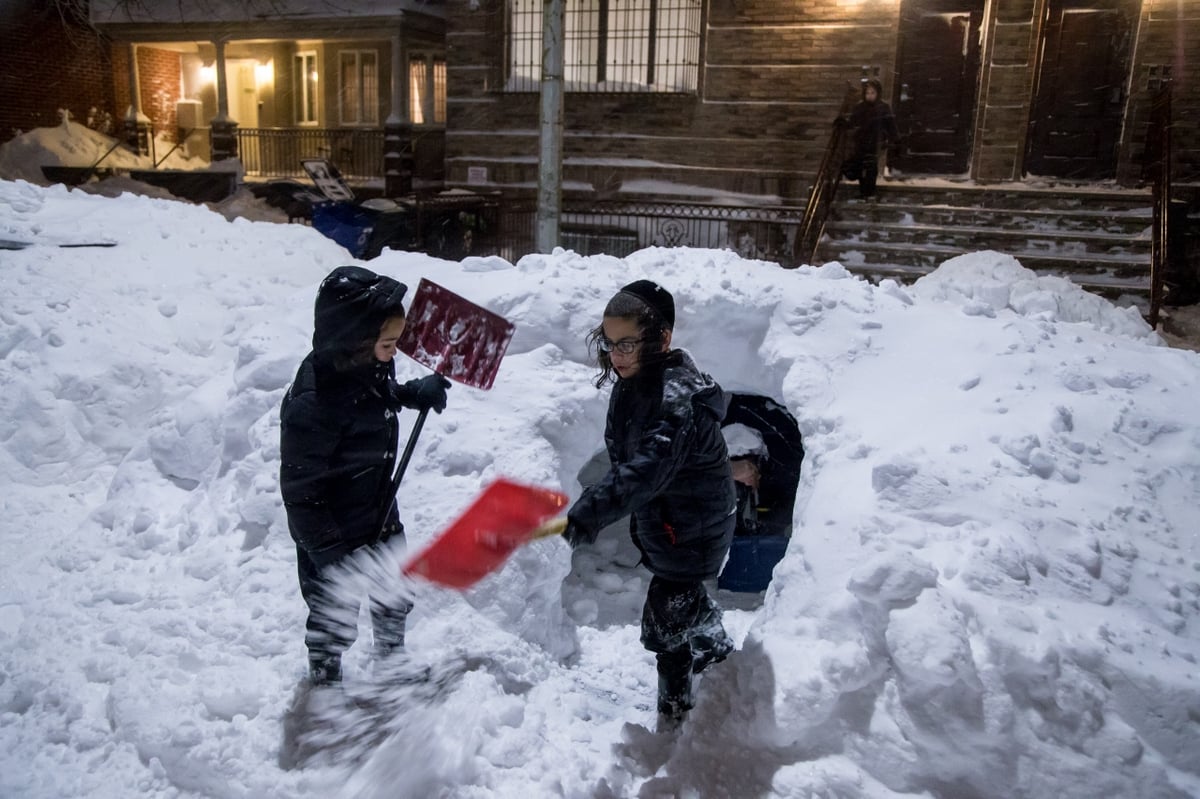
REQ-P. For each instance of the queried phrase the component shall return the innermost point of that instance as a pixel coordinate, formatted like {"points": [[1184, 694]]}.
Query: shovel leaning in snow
{"points": [[455, 338], [504, 517]]}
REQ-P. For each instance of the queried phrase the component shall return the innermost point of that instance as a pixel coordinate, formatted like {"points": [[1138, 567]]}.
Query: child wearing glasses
{"points": [[337, 439], [670, 471]]}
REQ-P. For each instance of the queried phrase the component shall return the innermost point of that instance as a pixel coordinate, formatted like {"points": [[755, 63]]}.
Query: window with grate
{"points": [[611, 45], [358, 92], [427, 90]]}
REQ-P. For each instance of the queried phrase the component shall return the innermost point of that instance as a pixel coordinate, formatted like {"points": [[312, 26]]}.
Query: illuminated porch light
{"points": [[264, 72]]}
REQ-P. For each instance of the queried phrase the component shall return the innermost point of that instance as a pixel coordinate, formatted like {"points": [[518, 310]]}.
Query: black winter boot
{"points": [[324, 669], [708, 640], [675, 696]]}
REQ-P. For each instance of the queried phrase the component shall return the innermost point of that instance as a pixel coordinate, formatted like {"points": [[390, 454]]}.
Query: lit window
{"points": [[427, 90], [611, 45], [359, 90], [304, 83]]}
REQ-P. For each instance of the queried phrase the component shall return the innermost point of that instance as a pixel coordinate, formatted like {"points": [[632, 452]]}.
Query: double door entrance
{"points": [[1079, 98], [1078, 103], [938, 76]]}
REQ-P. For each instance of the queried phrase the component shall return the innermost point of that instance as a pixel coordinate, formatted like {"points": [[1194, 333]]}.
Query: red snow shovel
{"points": [[501, 519], [455, 338]]}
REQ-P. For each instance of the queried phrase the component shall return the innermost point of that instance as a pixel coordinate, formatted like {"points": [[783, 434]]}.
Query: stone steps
{"points": [[1100, 238]]}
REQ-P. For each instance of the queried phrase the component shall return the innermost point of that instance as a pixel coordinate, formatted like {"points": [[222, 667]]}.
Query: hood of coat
{"points": [[352, 305], [684, 382], [877, 85]]}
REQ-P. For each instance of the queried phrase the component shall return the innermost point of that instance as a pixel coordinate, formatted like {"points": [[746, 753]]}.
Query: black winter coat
{"points": [[670, 469], [874, 127], [338, 436]]}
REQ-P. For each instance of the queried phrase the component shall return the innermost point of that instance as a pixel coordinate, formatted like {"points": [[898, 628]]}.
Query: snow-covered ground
{"points": [[993, 589]]}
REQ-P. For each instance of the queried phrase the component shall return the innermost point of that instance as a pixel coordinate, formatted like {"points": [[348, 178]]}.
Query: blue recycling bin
{"points": [[752, 560], [365, 232], [349, 225]]}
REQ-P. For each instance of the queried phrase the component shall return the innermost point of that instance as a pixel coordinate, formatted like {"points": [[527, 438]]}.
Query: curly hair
{"points": [[653, 330]]}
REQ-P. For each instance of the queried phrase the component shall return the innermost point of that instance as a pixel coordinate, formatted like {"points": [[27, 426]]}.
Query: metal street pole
{"points": [[549, 207]]}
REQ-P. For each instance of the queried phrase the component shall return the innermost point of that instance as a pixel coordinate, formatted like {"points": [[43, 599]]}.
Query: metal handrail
{"points": [[825, 187], [1158, 163]]}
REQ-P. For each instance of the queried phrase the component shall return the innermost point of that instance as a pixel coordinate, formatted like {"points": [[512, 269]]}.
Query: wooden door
{"points": [[1075, 122], [938, 73]]}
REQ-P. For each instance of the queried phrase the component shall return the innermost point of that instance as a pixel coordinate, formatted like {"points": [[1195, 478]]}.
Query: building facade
{"points": [[736, 97]]}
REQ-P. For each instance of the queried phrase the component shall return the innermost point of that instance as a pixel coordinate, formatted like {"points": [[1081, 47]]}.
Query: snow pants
{"points": [[332, 624], [681, 624], [863, 167]]}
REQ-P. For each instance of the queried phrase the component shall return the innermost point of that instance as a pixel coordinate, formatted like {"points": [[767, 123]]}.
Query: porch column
{"points": [[224, 137], [137, 124], [398, 132]]}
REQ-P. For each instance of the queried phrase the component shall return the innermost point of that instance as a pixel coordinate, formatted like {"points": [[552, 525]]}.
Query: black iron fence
{"points": [[356, 152], [619, 227], [1158, 166], [277, 152]]}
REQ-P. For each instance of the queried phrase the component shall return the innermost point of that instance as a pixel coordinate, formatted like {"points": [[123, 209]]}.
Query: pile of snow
{"points": [[993, 588], [73, 144]]}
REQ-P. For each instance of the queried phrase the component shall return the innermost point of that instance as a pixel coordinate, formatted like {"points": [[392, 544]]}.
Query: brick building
{"points": [[684, 97], [50, 62], [737, 96]]}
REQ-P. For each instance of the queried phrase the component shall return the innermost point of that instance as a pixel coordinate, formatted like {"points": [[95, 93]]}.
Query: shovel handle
{"points": [[548, 529], [405, 457]]}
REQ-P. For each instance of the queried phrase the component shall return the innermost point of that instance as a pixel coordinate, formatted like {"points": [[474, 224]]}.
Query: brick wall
{"points": [[158, 84], [1169, 37], [1006, 90], [46, 64], [773, 76]]}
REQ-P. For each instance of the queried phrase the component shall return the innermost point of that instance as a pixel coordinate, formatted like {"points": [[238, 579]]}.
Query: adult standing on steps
{"points": [[872, 126]]}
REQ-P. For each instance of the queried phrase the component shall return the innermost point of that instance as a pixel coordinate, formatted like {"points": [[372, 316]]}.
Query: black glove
{"points": [[576, 534], [423, 394]]}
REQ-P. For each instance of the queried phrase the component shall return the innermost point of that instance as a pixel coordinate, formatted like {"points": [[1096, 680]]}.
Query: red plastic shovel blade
{"points": [[455, 337], [500, 519]]}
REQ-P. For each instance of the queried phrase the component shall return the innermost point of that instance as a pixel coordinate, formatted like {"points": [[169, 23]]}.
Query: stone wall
{"points": [[1169, 37], [772, 76]]}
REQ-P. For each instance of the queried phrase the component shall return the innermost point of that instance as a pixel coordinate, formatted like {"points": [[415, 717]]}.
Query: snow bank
{"points": [[72, 144], [992, 590]]}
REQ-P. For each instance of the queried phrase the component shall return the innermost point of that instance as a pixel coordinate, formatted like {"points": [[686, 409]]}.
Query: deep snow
{"points": [[992, 590]]}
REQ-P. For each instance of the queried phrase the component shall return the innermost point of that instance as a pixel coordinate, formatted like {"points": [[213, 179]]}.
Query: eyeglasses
{"points": [[626, 346]]}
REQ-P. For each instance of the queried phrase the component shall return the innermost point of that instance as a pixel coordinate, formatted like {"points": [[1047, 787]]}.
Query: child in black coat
{"points": [[670, 471], [338, 436], [873, 128]]}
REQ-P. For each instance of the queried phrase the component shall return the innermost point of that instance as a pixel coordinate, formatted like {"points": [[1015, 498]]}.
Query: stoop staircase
{"points": [[1099, 238]]}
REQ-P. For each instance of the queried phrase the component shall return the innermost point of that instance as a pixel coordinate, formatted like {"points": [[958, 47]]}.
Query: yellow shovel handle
{"points": [[547, 529]]}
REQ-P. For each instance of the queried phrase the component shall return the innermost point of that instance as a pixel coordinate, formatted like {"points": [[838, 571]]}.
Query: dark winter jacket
{"points": [[338, 426], [873, 126], [670, 469], [338, 435]]}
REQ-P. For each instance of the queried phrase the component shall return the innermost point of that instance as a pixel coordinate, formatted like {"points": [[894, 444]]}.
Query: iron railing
{"points": [[356, 152], [277, 152], [619, 227], [1158, 167], [825, 185]]}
